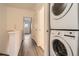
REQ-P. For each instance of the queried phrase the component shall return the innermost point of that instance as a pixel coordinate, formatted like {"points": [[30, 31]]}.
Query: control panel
{"points": [[64, 33]]}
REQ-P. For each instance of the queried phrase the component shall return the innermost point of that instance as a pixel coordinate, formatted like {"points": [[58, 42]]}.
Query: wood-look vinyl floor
{"points": [[31, 50]]}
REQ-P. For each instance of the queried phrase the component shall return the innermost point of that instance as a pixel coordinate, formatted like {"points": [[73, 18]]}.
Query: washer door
{"points": [[59, 10], [59, 47]]}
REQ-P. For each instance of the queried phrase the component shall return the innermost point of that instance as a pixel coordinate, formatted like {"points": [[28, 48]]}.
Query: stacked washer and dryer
{"points": [[64, 29]]}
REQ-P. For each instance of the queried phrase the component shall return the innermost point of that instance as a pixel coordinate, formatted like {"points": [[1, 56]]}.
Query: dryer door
{"points": [[59, 10], [59, 47]]}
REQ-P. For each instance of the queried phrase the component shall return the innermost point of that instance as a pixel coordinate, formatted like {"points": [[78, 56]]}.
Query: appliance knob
{"points": [[58, 33], [70, 32]]}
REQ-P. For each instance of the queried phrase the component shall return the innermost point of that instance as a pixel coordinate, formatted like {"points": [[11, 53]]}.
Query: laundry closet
{"points": [[13, 23]]}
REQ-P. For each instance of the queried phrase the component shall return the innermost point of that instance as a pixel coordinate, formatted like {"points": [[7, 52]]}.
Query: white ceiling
{"points": [[31, 6]]}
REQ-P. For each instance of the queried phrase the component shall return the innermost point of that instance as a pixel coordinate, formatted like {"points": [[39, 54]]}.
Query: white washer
{"points": [[64, 16], [64, 43]]}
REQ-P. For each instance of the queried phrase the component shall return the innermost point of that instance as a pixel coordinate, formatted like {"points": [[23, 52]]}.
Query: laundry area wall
{"points": [[3, 30]]}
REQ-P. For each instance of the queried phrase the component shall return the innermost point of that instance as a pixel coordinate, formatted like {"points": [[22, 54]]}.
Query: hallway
{"points": [[32, 50]]}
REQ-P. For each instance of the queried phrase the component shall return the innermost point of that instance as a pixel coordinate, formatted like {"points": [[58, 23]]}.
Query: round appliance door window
{"points": [[59, 48], [58, 8]]}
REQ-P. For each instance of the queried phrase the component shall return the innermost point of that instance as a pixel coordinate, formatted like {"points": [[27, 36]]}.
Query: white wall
{"points": [[35, 27], [38, 28], [15, 17], [41, 26], [3, 32]]}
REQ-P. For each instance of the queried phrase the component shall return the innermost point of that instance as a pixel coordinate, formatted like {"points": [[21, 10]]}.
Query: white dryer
{"points": [[64, 16], [64, 43]]}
